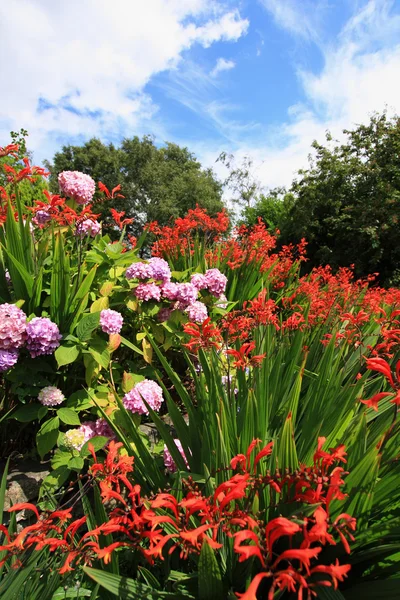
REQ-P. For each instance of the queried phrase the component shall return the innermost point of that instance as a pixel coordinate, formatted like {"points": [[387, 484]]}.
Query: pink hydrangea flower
{"points": [[197, 312], [164, 314], [148, 291], [216, 281], [88, 227], [51, 396], [8, 358], [222, 301], [148, 390], [12, 327], [169, 290], [186, 293], [42, 336], [169, 461], [199, 281], [160, 269], [41, 217], [111, 321], [103, 428], [139, 270], [77, 185]]}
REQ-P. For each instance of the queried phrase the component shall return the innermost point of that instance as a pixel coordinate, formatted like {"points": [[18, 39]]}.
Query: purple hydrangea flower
{"points": [[169, 290], [222, 301], [160, 269], [148, 291], [43, 336], [169, 461], [77, 185], [186, 293], [147, 389], [199, 281], [139, 270], [87, 227], [51, 396], [41, 217], [216, 281], [103, 428], [8, 358], [197, 312], [164, 314], [111, 321], [12, 327]]}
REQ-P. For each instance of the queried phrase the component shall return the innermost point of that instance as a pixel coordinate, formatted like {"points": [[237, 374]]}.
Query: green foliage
{"points": [[272, 208], [158, 183], [347, 201]]}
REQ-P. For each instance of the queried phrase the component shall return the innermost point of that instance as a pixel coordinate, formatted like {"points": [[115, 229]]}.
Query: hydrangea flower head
{"points": [[160, 269], [111, 321], [41, 217], [148, 291], [8, 358], [169, 461], [147, 389], [199, 281], [51, 396], [12, 327], [103, 428], [164, 314], [186, 293], [77, 185], [42, 336], [216, 282], [169, 290], [74, 438], [197, 312], [139, 270], [87, 227]]}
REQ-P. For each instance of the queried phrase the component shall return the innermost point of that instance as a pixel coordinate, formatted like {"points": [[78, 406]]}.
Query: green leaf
{"points": [[87, 325], [210, 580], [66, 354], [388, 589], [54, 480], [29, 412], [76, 463], [126, 588], [98, 442], [46, 437], [68, 416], [99, 351]]}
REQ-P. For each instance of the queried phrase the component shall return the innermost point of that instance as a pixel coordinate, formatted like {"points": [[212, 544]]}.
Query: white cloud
{"points": [[222, 65], [359, 77], [79, 68]]}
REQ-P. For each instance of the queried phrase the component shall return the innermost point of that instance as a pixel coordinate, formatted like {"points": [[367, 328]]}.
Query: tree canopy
{"points": [[158, 183], [347, 203]]}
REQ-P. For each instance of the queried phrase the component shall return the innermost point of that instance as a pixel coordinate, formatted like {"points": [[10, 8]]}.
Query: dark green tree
{"points": [[158, 183], [347, 203], [273, 208]]}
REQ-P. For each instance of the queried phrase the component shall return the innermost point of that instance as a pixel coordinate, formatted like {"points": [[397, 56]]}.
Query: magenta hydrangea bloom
{"points": [[111, 321], [41, 217], [12, 327], [51, 396], [103, 428], [77, 185], [8, 358], [186, 293], [216, 281], [87, 227], [164, 314], [148, 291], [139, 270], [169, 461], [160, 269], [43, 336], [147, 389], [169, 290], [197, 312], [199, 281]]}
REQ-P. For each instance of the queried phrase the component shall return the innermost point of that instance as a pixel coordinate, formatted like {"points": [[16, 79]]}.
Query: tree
{"points": [[158, 183], [347, 203], [272, 208], [240, 180]]}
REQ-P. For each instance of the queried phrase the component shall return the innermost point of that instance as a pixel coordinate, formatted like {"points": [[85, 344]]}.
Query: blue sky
{"points": [[254, 77]]}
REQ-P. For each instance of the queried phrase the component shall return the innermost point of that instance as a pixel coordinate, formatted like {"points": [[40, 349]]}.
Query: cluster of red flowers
{"points": [[285, 549], [174, 241]]}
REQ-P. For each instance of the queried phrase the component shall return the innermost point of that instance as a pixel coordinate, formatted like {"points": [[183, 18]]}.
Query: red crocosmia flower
{"points": [[266, 451], [66, 568], [113, 193], [337, 572], [117, 216], [24, 506], [277, 528], [240, 460], [303, 555], [382, 366], [206, 336], [62, 515], [246, 552], [288, 579], [10, 150], [242, 358], [106, 553], [251, 592], [373, 402], [319, 531]]}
